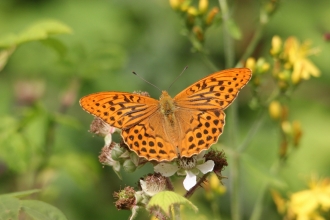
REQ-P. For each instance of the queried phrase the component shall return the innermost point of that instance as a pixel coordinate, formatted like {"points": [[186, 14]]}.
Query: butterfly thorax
{"points": [[167, 108]]}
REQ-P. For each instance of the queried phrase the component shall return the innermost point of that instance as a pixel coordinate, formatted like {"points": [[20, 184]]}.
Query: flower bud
{"points": [[297, 132], [203, 6], [276, 46], [210, 17], [125, 198], [251, 63], [275, 110], [117, 152], [286, 127], [198, 33], [129, 166]]}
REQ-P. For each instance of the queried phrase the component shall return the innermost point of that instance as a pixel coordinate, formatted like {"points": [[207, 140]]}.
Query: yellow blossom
{"points": [[307, 204], [192, 11], [296, 55]]}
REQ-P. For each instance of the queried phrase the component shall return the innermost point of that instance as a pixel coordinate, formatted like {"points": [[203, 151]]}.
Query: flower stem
{"points": [[233, 129]]}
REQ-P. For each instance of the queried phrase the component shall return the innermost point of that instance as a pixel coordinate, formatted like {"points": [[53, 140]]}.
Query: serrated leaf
{"points": [[166, 199], [9, 207], [41, 211], [234, 30]]}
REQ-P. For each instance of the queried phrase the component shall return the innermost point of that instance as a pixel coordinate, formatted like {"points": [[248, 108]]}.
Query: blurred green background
{"points": [[109, 40]]}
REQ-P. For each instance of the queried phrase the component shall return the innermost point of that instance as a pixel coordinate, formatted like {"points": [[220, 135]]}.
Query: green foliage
{"points": [[14, 208], [54, 52], [166, 201]]}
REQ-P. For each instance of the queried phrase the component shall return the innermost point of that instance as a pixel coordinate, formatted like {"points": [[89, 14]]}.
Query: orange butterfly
{"points": [[182, 126]]}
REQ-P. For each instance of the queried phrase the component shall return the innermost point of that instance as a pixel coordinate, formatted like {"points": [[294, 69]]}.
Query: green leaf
{"points": [[38, 31], [55, 44], [4, 56], [234, 30], [22, 193], [9, 207], [41, 211], [166, 199]]}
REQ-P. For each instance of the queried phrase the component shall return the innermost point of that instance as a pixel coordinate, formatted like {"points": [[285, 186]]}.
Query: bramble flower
{"points": [[99, 127], [190, 167], [153, 184]]}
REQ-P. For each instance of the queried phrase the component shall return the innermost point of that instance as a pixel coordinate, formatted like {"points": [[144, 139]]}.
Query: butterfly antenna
{"points": [[177, 77], [146, 80]]}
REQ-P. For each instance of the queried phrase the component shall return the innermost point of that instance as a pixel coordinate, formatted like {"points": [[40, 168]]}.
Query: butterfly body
{"points": [[172, 127]]}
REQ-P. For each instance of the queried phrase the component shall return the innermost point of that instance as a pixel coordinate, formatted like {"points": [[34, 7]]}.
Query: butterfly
{"points": [[170, 128]]}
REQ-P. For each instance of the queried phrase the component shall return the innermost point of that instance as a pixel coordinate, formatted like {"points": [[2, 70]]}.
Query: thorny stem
{"points": [[169, 184]]}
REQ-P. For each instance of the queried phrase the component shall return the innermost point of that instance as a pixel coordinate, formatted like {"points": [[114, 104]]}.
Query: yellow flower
{"points": [[307, 204], [296, 56], [310, 204]]}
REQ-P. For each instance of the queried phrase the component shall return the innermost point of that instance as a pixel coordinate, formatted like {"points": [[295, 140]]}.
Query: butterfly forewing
{"points": [[119, 109], [216, 91]]}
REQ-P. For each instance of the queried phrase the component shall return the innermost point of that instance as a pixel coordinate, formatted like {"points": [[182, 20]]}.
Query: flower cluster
{"points": [[313, 203], [197, 18], [291, 61]]}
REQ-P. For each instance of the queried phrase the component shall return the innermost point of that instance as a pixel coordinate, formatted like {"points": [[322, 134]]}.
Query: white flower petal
{"points": [[189, 181], [206, 167], [166, 169], [108, 139], [143, 185]]}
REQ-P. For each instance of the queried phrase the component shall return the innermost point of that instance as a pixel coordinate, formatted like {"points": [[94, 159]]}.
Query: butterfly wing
{"points": [[139, 119], [216, 91], [119, 109], [150, 140], [200, 108]]}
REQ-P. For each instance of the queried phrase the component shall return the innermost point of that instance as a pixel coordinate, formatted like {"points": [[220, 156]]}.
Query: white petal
{"points": [[206, 167], [189, 181], [108, 139], [166, 169], [143, 185]]}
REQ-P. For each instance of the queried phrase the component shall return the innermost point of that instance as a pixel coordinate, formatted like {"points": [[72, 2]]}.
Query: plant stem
{"points": [[257, 210], [233, 129], [252, 45]]}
